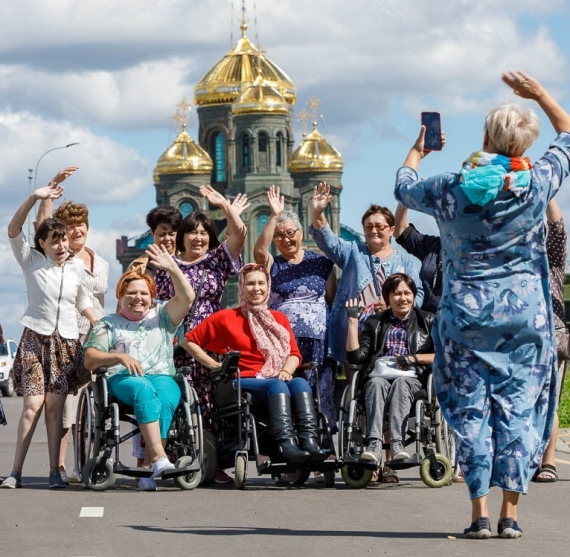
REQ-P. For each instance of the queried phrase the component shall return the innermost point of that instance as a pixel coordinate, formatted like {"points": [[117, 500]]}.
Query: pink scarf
{"points": [[271, 338]]}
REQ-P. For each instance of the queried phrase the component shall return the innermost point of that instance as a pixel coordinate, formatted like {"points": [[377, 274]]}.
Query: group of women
{"points": [[491, 343]]}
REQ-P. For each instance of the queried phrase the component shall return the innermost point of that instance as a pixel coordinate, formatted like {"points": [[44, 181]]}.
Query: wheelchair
{"points": [[98, 436], [241, 433], [427, 431]]}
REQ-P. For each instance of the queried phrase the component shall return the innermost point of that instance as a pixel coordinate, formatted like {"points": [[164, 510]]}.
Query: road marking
{"points": [[560, 461], [91, 512]]}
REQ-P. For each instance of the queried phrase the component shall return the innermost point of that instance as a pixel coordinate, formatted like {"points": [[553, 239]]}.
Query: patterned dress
{"points": [[298, 291], [219, 266], [494, 368]]}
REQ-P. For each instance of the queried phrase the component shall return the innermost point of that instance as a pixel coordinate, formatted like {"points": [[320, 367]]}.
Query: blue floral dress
{"points": [[298, 291], [494, 368]]}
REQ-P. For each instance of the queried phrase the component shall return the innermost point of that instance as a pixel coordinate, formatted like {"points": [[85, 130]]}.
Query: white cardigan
{"points": [[54, 292]]}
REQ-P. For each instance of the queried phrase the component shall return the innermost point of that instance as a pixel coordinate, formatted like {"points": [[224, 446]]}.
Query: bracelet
{"points": [[287, 372]]}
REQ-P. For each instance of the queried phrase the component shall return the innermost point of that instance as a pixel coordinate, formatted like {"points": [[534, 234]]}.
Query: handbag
{"points": [[386, 367]]}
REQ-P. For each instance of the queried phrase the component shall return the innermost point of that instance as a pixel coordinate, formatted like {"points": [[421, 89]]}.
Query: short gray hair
{"points": [[512, 129], [289, 215]]}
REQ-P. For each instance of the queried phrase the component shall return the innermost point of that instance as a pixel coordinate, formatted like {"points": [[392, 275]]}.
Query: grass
{"points": [[564, 406]]}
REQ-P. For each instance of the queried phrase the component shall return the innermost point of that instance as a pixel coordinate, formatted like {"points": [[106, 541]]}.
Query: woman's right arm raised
{"points": [[52, 191]]}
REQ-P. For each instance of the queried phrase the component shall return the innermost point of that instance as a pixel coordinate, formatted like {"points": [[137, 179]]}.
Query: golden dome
{"points": [[184, 156], [315, 154], [260, 97], [237, 70]]}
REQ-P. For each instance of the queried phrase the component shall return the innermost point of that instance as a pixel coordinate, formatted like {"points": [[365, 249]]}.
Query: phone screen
{"points": [[432, 122]]}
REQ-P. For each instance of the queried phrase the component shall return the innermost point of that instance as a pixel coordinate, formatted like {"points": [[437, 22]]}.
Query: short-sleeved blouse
{"points": [[149, 340], [298, 291], [219, 266]]}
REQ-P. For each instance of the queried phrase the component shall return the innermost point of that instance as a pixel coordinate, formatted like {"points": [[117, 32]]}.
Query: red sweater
{"points": [[229, 328]]}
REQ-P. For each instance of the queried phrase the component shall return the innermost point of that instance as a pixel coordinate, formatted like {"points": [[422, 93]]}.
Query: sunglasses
{"points": [[380, 227], [288, 234], [250, 267]]}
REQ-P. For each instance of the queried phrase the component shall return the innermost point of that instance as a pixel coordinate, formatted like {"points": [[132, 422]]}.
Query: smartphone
{"points": [[432, 122]]}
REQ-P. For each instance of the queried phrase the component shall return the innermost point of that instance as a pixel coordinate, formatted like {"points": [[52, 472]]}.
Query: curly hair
{"points": [[71, 213], [128, 277], [164, 214]]}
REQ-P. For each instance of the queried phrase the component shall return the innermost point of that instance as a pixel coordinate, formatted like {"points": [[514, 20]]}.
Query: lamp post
{"points": [[36, 172]]}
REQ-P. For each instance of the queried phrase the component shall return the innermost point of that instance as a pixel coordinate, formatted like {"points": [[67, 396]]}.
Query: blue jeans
{"points": [[262, 389], [153, 397]]}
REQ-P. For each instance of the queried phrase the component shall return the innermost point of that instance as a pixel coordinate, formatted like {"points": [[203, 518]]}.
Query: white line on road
{"points": [[91, 512]]}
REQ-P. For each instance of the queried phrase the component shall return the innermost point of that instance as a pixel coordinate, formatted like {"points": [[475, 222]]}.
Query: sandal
{"points": [[547, 474], [389, 476]]}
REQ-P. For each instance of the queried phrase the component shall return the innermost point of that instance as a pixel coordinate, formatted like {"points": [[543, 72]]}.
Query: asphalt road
{"points": [[264, 519]]}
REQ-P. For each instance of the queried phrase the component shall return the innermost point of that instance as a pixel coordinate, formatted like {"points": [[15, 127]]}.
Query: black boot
{"points": [[304, 408], [282, 428]]}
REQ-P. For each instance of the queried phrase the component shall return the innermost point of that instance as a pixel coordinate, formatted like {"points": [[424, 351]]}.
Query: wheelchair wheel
{"points": [[355, 476], [210, 461], [86, 438], [240, 475], [439, 477], [95, 479], [445, 442], [192, 479], [300, 476], [329, 478]]}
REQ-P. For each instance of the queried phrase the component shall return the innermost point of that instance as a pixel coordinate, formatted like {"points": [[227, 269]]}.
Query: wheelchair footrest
{"points": [[363, 463], [134, 472], [414, 460], [195, 466]]}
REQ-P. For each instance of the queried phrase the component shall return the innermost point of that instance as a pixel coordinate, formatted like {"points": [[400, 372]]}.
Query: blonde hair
{"points": [[512, 129], [71, 213]]}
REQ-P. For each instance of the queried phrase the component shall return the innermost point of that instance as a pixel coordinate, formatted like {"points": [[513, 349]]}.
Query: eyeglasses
{"points": [[378, 226], [287, 234], [250, 267]]}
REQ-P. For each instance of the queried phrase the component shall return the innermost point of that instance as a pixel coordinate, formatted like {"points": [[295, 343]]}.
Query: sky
{"points": [[109, 74]]}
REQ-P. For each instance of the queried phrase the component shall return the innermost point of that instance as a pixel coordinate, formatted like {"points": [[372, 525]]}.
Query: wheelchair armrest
{"points": [[100, 371], [229, 367]]}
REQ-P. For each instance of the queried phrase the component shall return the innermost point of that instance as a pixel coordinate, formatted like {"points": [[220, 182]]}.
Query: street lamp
{"points": [[36, 172]]}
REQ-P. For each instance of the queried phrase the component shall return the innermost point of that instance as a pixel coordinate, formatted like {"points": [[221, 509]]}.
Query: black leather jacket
{"points": [[372, 340]]}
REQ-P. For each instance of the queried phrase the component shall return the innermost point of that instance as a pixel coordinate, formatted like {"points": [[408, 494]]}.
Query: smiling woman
{"points": [[49, 361]]}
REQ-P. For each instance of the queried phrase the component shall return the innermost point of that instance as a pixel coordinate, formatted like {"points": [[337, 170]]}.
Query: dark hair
{"points": [[190, 223], [393, 281], [163, 214], [49, 225], [374, 209]]}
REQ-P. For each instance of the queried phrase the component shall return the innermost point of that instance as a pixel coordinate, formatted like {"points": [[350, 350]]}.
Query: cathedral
{"points": [[245, 144]]}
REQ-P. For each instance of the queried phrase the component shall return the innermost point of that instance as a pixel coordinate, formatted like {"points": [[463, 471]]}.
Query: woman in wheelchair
{"points": [[269, 358], [136, 347], [395, 352]]}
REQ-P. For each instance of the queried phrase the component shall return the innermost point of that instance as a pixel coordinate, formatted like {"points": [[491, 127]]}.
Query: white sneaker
{"points": [[73, 478], [147, 484], [160, 466], [373, 451]]}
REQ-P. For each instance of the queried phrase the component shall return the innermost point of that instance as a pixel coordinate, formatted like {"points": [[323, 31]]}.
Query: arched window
{"points": [[245, 152], [186, 207], [219, 151], [279, 150]]}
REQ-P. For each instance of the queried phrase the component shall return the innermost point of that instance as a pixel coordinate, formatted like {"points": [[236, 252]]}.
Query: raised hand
{"points": [[523, 84], [213, 196], [240, 203], [354, 308], [63, 174], [276, 200], [160, 257], [321, 197]]}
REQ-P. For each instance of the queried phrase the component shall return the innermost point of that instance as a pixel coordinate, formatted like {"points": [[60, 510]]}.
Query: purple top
{"points": [[219, 266]]}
